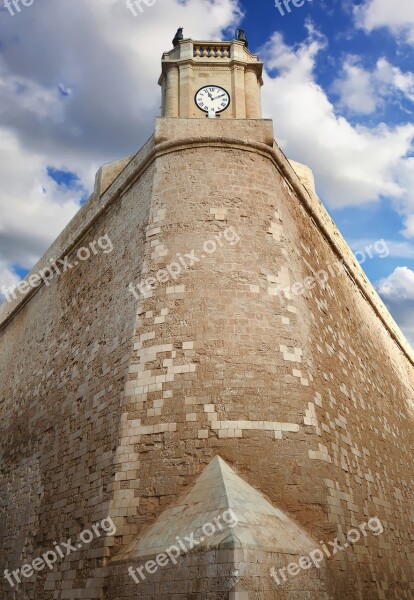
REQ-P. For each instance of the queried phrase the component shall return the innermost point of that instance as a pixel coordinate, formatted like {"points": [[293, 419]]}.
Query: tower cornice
{"points": [[256, 67]]}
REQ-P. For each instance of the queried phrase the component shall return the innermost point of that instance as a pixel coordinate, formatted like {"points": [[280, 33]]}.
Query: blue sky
{"points": [[335, 20], [78, 87]]}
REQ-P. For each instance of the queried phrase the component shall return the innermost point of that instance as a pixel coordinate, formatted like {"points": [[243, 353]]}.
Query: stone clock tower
{"points": [[224, 384], [192, 66]]}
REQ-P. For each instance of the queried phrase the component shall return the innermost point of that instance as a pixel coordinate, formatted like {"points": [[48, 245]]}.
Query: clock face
{"points": [[212, 97]]}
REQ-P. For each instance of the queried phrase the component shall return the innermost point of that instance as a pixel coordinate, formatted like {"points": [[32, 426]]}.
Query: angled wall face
{"points": [[64, 364], [114, 403], [306, 393], [222, 538]]}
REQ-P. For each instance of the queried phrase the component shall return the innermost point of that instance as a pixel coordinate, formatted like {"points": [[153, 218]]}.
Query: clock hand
{"points": [[217, 97]]}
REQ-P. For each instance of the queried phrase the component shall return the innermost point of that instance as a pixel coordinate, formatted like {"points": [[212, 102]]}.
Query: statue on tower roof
{"points": [[241, 36], [178, 36]]}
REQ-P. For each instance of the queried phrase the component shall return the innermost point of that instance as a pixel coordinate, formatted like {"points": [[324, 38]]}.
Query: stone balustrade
{"points": [[208, 51]]}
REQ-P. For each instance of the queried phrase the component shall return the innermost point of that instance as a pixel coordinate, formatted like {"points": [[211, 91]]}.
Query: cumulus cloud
{"points": [[104, 66], [397, 17], [408, 231], [353, 164], [363, 92], [397, 291], [356, 89], [78, 87], [33, 207], [398, 286]]}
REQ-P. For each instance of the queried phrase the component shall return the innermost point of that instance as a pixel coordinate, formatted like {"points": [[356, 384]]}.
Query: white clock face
{"points": [[212, 97]]}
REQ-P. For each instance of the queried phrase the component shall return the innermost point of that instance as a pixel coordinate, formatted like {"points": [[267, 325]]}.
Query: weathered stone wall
{"points": [[234, 574], [300, 393], [308, 396], [64, 363]]}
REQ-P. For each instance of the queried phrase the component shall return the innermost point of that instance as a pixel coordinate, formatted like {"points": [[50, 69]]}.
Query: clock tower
{"points": [[202, 79]]}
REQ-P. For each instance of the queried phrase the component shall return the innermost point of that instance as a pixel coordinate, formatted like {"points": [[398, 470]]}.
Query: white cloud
{"points": [[409, 227], [405, 203], [32, 206], [78, 87], [31, 97], [398, 286], [397, 291], [8, 280], [398, 17], [353, 165], [355, 89], [362, 91], [394, 78]]}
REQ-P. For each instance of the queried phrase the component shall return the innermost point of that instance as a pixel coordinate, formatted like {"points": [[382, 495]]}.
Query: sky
{"points": [[78, 88]]}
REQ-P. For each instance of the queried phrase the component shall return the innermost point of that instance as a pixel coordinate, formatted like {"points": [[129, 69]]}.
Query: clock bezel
{"points": [[219, 87]]}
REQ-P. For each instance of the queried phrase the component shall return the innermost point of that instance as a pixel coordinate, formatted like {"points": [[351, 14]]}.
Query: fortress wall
{"points": [[306, 395], [64, 364], [363, 414]]}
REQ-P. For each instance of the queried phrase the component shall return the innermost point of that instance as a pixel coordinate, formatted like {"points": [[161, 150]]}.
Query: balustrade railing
{"points": [[216, 51]]}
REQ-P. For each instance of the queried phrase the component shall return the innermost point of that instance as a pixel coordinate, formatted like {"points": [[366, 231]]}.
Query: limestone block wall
{"points": [[233, 574], [64, 362], [112, 405], [306, 394]]}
